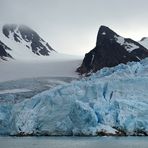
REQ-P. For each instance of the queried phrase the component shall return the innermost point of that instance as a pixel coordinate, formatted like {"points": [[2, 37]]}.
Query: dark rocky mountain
{"points": [[28, 37], [4, 55], [111, 50]]}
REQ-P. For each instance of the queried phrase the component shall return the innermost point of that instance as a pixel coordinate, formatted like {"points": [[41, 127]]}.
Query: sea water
{"points": [[73, 142]]}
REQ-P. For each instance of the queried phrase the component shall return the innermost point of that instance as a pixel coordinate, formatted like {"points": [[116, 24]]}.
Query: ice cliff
{"points": [[113, 101]]}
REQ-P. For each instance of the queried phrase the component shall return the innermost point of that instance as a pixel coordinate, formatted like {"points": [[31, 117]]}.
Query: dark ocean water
{"points": [[73, 142]]}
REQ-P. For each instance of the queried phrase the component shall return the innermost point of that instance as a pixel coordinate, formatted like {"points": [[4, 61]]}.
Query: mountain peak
{"points": [[105, 33], [111, 50], [104, 30], [144, 38], [144, 42], [27, 38]]}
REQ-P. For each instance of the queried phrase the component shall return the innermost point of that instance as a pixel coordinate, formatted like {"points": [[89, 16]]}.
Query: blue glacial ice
{"points": [[112, 101]]}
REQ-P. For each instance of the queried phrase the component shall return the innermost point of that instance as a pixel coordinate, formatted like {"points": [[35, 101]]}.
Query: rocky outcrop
{"points": [[111, 50], [4, 55]]}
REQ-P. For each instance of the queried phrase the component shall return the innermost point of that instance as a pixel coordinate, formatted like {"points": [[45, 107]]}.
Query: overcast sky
{"points": [[71, 26]]}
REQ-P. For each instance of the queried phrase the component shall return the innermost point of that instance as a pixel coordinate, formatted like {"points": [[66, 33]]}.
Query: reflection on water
{"points": [[73, 142]]}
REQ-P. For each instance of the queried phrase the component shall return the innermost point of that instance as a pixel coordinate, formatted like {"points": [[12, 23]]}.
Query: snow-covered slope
{"points": [[144, 42], [112, 101], [25, 43]]}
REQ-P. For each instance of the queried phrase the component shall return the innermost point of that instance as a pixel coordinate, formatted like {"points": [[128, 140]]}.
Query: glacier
{"points": [[112, 101]]}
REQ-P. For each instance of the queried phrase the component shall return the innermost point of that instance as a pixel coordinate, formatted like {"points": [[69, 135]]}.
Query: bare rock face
{"points": [[111, 50], [4, 55]]}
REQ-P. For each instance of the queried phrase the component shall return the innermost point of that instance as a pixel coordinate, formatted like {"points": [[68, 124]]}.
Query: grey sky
{"points": [[71, 26]]}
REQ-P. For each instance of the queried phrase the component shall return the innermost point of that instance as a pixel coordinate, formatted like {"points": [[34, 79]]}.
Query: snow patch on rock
{"points": [[130, 46], [119, 39]]}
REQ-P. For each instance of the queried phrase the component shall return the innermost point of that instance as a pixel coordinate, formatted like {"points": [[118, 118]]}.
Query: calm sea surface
{"points": [[73, 142]]}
